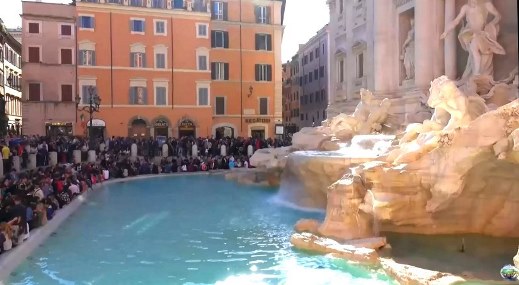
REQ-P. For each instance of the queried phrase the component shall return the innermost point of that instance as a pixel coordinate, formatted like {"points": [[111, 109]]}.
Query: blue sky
{"points": [[303, 18]]}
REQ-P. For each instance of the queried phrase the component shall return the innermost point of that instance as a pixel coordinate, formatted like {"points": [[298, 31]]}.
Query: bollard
{"points": [[91, 156], [32, 161], [133, 151], [194, 151], [102, 147], [17, 163], [165, 150], [76, 154], [250, 150], [53, 158], [223, 150]]}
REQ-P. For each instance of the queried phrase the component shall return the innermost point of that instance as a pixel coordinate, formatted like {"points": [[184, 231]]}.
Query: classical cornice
{"points": [[399, 3]]}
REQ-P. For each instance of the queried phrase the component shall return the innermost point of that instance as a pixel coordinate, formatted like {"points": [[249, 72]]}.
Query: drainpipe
{"points": [[241, 75]]}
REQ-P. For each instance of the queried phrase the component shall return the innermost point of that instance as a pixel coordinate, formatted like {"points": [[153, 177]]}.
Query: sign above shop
{"points": [[187, 124], [257, 120], [161, 124], [97, 123]]}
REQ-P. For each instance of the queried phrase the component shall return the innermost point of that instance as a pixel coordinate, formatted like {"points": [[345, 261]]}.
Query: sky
{"points": [[303, 18]]}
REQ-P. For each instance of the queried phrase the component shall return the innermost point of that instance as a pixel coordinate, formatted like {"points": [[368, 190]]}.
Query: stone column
{"points": [[382, 45], [53, 158], [439, 27], [32, 161], [449, 44], [76, 154], [424, 43], [16, 163]]}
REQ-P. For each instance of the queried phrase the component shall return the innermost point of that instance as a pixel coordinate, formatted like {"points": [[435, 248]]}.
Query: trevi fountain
{"points": [[454, 174]]}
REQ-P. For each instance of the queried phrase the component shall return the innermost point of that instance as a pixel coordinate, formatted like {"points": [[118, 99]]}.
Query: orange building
{"points": [[175, 68]]}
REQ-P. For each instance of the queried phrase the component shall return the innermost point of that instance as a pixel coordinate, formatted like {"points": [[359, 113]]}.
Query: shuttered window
{"points": [[66, 56], [138, 96], [219, 106], [34, 91], [262, 14], [203, 96], [34, 54], [34, 28], [66, 93], [219, 71], [66, 30], [219, 39], [263, 42], [263, 106], [263, 72], [219, 11]]}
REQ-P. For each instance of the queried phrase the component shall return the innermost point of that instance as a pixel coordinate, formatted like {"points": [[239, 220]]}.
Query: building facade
{"points": [[10, 79], [49, 68], [291, 95], [16, 33], [180, 68], [314, 79], [394, 48]]}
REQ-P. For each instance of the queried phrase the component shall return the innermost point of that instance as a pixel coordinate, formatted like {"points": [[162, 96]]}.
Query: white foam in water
{"points": [[281, 202]]}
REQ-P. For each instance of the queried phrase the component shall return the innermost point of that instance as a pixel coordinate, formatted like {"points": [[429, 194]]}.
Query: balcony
{"points": [[188, 5]]}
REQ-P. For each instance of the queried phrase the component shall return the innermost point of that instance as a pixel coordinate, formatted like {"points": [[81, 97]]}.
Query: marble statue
{"points": [[407, 55], [478, 37], [367, 118]]}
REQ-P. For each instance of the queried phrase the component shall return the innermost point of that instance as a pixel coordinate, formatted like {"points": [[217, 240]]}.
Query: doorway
{"points": [[97, 132], [223, 132], [161, 132], [258, 134], [186, 128], [138, 129]]}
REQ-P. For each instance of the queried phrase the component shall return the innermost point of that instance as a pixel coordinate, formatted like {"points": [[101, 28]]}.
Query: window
{"points": [[262, 14], [201, 30], [114, 1], [160, 96], [66, 93], [263, 42], [219, 106], [341, 6], [137, 59], [311, 97], [202, 62], [219, 71], [360, 65], [138, 95], [34, 28], [219, 39], [137, 26], [302, 117], [263, 106], [316, 74], [323, 49], [203, 96], [316, 52], [137, 3], [66, 56], [86, 22], [85, 93], [323, 94], [158, 4], [34, 92], [263, 72], [160, 60], [160, 27], [34, 54], [310, 78], [87, 57], [340, 69], [66, 30], [321, 71], [311, 56], [219, 11]]}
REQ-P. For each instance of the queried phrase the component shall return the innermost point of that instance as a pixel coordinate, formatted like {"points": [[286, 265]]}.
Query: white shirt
{"points": [[74, 189]]}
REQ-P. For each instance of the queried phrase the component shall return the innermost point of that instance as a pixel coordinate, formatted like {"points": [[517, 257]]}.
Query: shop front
{"points": [[56, 129], [186, 128], [160, 128], [258, 127], [98, 128]]}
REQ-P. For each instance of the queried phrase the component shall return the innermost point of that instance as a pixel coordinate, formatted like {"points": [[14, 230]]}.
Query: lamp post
{"points": [[94, 102]]}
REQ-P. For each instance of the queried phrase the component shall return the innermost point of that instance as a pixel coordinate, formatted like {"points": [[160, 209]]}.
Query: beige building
{"points": [[394, 48], [49, 68], [10, 79]]}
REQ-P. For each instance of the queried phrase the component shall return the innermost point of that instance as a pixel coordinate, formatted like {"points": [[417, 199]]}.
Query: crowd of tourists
{"points": [[30, 198]]}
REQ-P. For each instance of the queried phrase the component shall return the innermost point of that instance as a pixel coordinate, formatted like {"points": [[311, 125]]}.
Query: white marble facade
{"points": [[368, 49]]}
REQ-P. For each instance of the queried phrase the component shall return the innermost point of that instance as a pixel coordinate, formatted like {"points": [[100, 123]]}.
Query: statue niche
{"points": [[407, 55]]}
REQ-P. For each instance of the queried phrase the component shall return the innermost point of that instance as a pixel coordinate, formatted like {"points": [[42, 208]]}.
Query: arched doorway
{"points": [[223, 132], [186, 128], [160, 128], [138, 129]]}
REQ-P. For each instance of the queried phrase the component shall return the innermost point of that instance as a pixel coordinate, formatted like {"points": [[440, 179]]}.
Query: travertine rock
{"points": [[307, 225], [410, 275], [270, 157], [516, 259], [311, 242], [311, 138]]}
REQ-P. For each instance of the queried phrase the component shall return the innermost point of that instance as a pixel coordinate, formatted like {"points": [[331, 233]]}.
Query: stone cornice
{"points": [[399, 3]]}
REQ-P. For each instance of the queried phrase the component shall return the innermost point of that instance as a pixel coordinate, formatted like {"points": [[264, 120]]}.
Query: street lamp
{"points": [[94, 102]]}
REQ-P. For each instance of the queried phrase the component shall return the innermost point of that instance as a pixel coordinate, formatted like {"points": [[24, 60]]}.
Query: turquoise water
{"points": [[183, 230]]}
